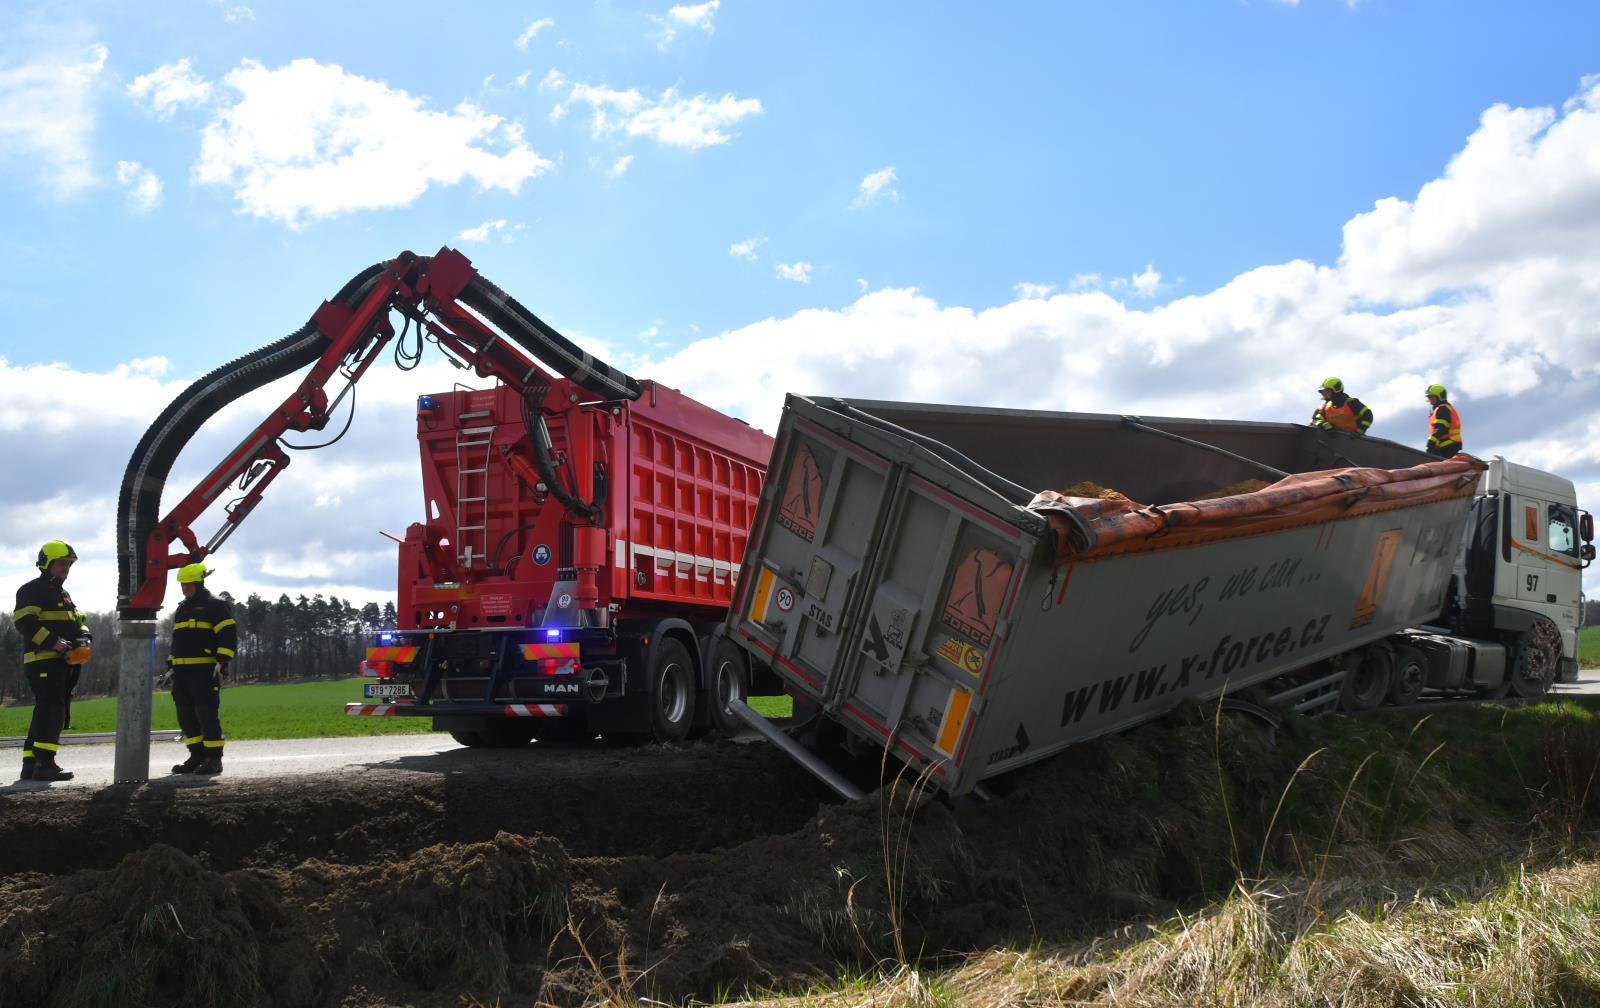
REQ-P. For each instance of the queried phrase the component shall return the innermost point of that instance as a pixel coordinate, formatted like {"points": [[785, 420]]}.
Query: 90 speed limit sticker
{"points": [[785, 599]]}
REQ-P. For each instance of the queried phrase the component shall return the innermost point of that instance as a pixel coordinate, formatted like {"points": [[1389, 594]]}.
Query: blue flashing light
{"points": [[424, 402], [385, 638], [553, 633]]}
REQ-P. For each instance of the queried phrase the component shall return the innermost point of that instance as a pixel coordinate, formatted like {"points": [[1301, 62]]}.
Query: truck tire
{"points": [[1535, 660], [1366, 679], [729, 680], [1410, 676], [671, 691], [470, 739]]}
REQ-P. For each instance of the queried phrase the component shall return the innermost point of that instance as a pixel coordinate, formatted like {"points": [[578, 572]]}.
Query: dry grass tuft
{"points": [[1532, 939]]}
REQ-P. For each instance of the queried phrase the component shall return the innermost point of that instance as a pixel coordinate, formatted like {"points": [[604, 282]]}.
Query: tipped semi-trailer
{"points": [[952, 584]]}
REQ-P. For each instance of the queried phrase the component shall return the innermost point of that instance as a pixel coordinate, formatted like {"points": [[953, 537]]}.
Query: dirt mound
{"points": [[672, 874], [1088, 488]]}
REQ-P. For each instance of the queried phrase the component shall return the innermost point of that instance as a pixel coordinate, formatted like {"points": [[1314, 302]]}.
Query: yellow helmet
{"points": [[192, 573], [1436, 390], [52, 551], [1332, 384]]}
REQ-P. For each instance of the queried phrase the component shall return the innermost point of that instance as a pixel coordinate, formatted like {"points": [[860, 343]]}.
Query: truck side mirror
{"points": [[1586, 553], [1586, 527]]}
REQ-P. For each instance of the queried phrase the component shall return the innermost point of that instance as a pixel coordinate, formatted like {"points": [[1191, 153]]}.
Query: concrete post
{"points": [[135, 684]]}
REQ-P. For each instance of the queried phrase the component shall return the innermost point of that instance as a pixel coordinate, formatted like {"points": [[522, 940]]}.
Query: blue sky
{"points": [[1193, 208]]}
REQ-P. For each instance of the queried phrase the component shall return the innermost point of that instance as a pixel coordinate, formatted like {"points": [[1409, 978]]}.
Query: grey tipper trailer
{"points": [[908, 571]]}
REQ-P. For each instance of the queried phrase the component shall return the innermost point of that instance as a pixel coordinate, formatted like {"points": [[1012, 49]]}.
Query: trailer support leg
{"points": [[135, 683], [799, 753]]}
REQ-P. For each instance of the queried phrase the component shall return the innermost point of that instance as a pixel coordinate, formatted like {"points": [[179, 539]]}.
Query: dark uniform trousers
{"points": [[199, 701], [48, 679]]}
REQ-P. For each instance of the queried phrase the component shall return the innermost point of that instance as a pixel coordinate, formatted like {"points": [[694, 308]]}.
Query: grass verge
{"points": [[278, 711], [1589, 647]]}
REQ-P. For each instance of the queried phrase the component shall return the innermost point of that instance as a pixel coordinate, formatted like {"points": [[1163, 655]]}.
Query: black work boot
{"points": [[27, 769], [210, 766], [47, 770], [195, 761]]}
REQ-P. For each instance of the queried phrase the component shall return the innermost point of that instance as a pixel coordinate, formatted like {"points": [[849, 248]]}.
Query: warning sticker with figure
{"points": [[972, 602], [801, 500]]}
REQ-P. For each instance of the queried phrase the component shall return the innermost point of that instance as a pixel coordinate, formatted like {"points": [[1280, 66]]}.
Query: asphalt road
{"points": [[91, 765]]}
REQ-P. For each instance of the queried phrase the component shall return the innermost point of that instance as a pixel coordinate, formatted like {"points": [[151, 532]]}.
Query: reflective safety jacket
{"points": [[1444, 427], [203, 631], [1343, 413], [44, 615]]}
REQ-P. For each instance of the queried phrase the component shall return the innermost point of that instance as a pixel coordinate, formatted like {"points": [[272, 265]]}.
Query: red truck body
{"points": [[522, 615], [682, 485]]}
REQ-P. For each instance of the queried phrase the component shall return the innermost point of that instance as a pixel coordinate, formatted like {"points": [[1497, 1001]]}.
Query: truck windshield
{"points": [[1563, 529]]}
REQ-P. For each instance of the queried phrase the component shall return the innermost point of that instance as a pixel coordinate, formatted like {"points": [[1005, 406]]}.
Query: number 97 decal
{"points": [[1533, 582]]}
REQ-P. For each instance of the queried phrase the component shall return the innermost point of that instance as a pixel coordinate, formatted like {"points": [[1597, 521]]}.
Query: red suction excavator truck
{"points": [[582, 535]]}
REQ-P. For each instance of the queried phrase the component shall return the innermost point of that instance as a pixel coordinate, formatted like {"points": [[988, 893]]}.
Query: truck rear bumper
{"points": [[510, 710]]}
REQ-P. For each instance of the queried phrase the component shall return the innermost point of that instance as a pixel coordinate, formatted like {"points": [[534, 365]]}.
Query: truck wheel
{"points": [[470, 739], [1366, 681], [730, 680], [671, 691], [1410, 676], [1534, 661]]}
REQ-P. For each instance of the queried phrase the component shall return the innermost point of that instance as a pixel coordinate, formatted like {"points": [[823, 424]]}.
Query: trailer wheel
{"points": [[672, 691], [1534, 662], [1410, 676], [1367, 683], [730, 680]]}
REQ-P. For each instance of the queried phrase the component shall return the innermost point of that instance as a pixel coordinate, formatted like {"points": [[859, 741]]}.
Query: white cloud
{"points": [[142, 184], [799, 272], [308, 141], [1145, 284], [490, 228], [235, 12], [1033, 291], [746, 249], [877, 186], [685, 16], [168, 88], [47, 118], [533, 29], [620, 166], [690, 123], [555, 80]]}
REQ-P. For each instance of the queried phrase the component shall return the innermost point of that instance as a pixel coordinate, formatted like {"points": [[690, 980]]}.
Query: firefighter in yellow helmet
{"points": [[1444, 423], [53, 636], [1340, 411], [203, 640]]}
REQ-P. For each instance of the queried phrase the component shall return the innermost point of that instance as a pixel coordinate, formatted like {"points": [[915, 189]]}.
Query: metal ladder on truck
{"points": [[472, 494]]}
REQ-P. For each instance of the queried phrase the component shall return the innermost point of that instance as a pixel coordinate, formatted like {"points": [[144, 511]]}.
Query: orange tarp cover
{"points": [[1086, 528]]}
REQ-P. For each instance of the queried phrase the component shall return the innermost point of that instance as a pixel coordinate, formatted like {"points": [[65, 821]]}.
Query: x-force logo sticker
{"points": [[801, 499], [972, 603]]}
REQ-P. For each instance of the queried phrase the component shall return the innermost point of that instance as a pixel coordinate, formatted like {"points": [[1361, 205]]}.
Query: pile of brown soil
{"points": [[1087, 488], [1241, 487]]}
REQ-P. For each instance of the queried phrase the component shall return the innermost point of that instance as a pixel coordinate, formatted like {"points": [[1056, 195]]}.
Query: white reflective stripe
{"points": [[678, 564]]}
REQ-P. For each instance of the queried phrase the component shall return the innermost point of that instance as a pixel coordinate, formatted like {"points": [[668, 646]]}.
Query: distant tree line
{"points": [[306, 638], [1591, 613]]}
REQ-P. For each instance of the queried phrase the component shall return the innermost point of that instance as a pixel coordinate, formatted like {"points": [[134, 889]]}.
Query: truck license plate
{"points": [[387, 691]]}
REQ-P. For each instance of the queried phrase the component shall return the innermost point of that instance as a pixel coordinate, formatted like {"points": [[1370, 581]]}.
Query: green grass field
{"points": [[1589, 647], [277, 711]]}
